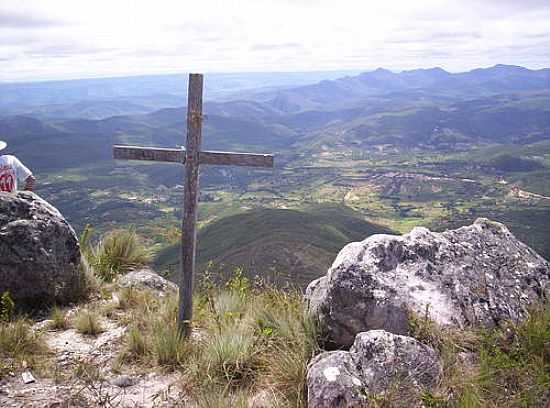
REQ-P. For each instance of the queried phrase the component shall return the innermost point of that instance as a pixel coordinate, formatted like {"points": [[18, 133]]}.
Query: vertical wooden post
{"points": [[190, 201]]}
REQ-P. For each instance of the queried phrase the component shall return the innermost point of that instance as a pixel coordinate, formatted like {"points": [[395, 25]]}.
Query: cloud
{"points": [[275, 47], [67, 38], [520, 4], [64, 50], [14, 19], [408, 37]]}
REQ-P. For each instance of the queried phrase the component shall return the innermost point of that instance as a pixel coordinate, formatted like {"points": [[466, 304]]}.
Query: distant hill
{"points": [[277, 244], [349, 91], [151, 91], [419, 120], [64, 143], [94, 109]]}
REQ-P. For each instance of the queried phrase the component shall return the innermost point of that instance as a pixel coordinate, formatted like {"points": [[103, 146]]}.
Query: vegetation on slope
{"points": [[275, 244]]}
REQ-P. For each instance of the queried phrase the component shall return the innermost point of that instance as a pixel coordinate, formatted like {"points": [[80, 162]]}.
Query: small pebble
{"points": [[123, 381]]}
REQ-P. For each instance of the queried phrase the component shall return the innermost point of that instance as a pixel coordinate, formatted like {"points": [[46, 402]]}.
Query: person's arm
{"points": [[23, 173], [29, 183]]}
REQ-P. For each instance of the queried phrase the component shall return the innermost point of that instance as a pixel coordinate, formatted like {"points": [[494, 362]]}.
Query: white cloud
{"points": [[76, 38]]}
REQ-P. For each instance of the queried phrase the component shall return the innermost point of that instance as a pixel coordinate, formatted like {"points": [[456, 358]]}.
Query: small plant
{"points": [[87, 371], [19, 346], [17, 338], [230, 355], [136, 345], [127, 298], [209, 399], [58, 318], [290, 335], [227, 305], [239, 283], [168, 344], [7, 307], [116, 253], [87, 322]]}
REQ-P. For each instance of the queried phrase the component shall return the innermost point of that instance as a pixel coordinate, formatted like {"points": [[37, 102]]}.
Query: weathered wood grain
{"points": [[190, 201], [236, 159], [123, 152]]}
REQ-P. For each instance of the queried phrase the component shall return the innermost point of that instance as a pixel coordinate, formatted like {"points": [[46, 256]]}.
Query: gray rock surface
{"points": [[39, 251], [475, 275], [377, 361], [147, 279]]}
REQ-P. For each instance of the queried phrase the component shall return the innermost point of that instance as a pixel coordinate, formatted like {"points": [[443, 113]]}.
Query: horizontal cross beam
{"points": [[161, 154]]}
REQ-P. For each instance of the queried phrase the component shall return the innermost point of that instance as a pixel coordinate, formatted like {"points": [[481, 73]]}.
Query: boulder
{"points": [[147, 279], [475, 275], [39, 251], [376, 362]]}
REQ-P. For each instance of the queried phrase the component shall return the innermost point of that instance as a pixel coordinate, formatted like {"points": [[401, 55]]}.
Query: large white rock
{"points": [[477, 274], [377, 361]]}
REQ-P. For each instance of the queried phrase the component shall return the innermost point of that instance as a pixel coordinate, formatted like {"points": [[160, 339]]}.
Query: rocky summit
{"points": [[39, 251], [474, 275]]}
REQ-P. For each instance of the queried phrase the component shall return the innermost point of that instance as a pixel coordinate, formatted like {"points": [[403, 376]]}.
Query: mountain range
{"points": [[420, 147]]}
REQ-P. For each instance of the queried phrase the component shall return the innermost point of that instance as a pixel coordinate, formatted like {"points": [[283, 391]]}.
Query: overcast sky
{"points": [[60, 39]]}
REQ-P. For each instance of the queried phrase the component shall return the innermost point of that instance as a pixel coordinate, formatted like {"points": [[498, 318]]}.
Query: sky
{"points": [[66, 39]]}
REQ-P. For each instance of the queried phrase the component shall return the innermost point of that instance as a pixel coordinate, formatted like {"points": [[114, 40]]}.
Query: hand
{"points": [[29, 183]]}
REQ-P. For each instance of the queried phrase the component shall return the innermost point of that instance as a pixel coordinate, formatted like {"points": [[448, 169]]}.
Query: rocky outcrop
{"points": [[477, 274], [147, 279], [377, 361], [39, 251]]}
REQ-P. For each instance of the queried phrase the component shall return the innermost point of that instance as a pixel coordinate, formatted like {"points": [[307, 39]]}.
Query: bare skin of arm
{"points": [[29, 183]]}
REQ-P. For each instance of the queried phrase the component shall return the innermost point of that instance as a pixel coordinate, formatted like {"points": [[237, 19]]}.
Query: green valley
{"points": [[379, 151]]}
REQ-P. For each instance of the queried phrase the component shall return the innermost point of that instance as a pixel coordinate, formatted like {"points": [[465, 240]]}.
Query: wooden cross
{"points": [[192, 157]]}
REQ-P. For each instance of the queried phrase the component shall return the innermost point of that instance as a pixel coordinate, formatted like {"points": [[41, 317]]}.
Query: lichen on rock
{"points": [[376, 361], [474, 275]]}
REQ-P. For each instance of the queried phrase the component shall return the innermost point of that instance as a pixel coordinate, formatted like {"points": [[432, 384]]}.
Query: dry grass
{"points": [[58, 319], [244, 341], [87, 322], [117, 252], [501, 368], [19, 345]]}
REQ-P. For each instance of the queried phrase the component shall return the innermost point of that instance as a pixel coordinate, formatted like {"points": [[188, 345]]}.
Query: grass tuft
{"points": [[19, 345], [58, 318], [168, 344], [87, 322], [116, 253], [230, 356]]}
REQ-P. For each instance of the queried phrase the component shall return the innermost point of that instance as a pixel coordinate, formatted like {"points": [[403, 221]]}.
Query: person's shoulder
{"points": [[9, 157]]}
